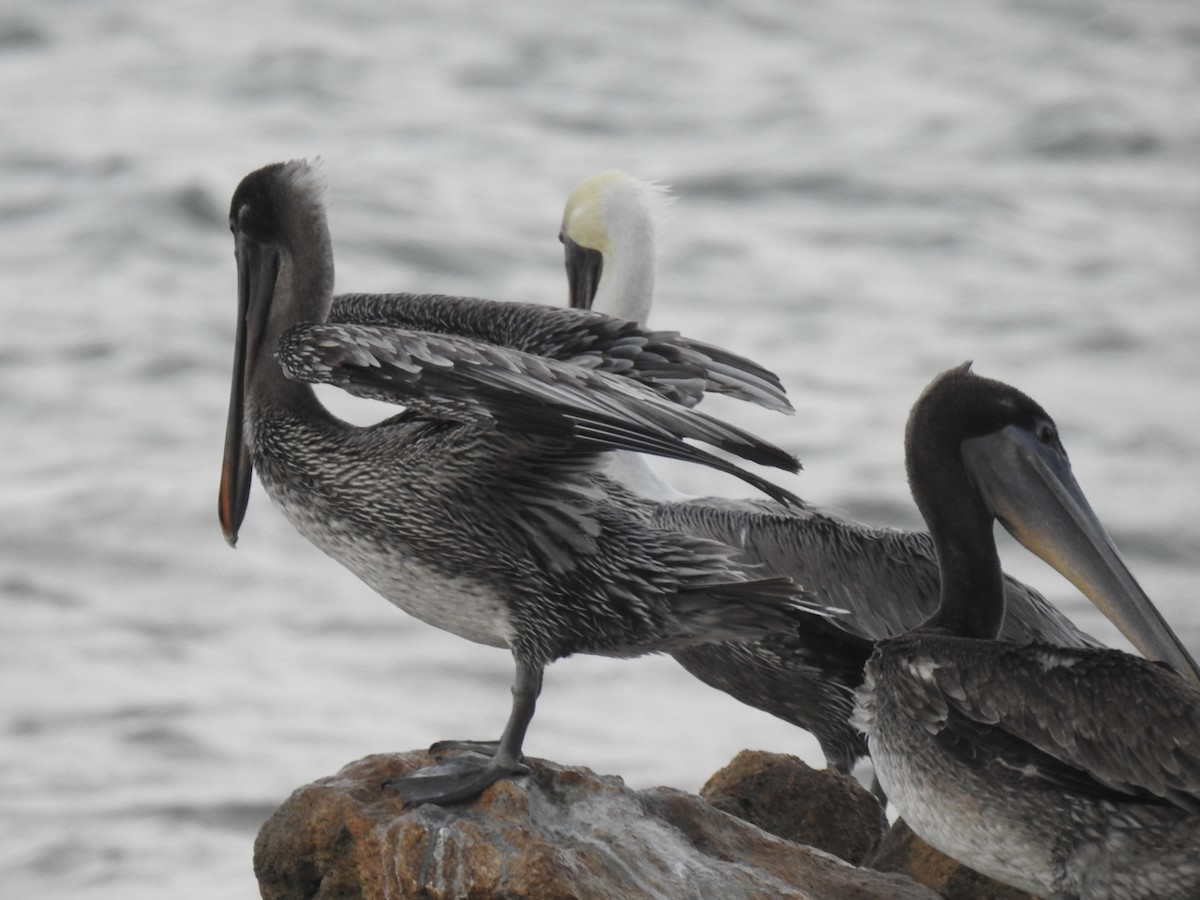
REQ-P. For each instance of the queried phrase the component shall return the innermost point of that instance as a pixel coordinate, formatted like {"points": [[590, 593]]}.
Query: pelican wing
{"points": [[674, 366], [454, 377], [1098, 722], [738, 377]]}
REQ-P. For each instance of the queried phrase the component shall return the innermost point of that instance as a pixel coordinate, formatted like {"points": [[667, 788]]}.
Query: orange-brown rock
{"points": [[558, 833], [902, 851], [783, 795]]}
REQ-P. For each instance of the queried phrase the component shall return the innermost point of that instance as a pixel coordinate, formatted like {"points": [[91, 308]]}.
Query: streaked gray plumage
{"points": [[1072, 773], [481, 508], [677, 367]]}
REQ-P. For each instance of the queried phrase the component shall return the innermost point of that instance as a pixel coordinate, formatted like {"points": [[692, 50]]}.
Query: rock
{"points": [[783, 795], [558, 833], [902, 851]]}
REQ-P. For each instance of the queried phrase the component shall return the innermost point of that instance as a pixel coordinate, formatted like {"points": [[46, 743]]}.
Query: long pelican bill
{"points": [[584, 268], [1031, 490], [257, 267]]}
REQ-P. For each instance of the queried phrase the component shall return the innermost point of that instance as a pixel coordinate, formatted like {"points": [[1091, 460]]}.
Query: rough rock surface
{"points": [[902, 851], [560, 832], [783, 795]]}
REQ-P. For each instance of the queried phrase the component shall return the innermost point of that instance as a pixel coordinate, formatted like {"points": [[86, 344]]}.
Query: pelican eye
{"points": [[1047, 434], [249, 221]]}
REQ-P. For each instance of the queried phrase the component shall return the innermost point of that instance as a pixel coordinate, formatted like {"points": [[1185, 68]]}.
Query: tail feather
{"points": [[749, 610]]}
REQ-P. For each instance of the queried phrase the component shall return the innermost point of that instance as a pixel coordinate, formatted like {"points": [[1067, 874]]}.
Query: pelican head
{"points": [[285, 275], [608, 234], [1006, 449]]}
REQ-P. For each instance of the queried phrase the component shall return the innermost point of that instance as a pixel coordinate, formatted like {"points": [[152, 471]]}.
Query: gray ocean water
{"points": [[867, 194]]}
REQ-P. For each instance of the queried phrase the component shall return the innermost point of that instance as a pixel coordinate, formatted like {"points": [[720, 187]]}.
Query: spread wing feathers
{"points": [[1071, 717], [676, 367], [459, 378], [887, 579], [736, 376]]}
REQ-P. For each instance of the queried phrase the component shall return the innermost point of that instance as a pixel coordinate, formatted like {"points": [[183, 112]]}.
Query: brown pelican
{"points": [[481, 509], [1068, 772], [887, 579]]}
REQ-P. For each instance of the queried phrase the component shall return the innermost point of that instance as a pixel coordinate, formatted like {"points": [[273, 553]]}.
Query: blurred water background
{"points": [[867, 194]]}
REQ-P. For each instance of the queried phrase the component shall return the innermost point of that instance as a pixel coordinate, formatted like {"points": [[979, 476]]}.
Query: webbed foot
{"points": [[453, 779]]}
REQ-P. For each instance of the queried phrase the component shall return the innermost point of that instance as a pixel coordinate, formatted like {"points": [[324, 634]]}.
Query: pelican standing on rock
{"points": [[481, 508], [887, 579], [1072, 773]]}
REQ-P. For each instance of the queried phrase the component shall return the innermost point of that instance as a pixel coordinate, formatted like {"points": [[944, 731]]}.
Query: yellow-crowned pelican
{"points": [[1072, 773], [481, 508], [887, 579]]}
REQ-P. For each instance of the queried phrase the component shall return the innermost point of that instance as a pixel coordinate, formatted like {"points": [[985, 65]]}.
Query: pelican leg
{"points": [[462, 777]]}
